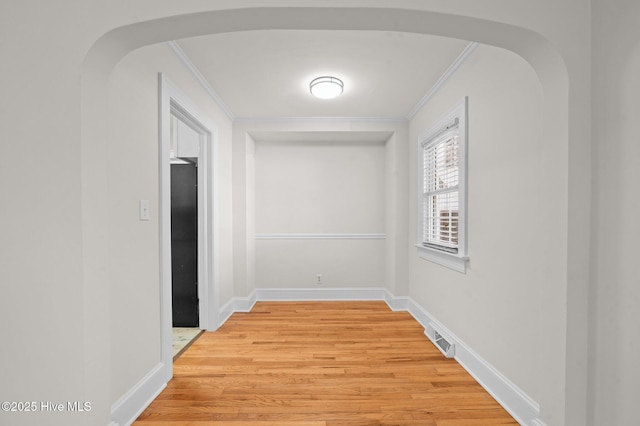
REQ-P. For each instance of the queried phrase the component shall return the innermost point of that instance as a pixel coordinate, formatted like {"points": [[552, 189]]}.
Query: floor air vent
{"points": [[445, 344]]}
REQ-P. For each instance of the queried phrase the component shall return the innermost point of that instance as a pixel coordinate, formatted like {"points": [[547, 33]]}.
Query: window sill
{"points": [[449, 260]]}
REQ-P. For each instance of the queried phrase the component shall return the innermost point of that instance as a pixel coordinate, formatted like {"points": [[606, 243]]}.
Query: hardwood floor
{"points": [[320, 364]]}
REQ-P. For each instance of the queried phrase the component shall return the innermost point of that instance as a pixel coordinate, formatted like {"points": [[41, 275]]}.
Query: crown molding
{"points": [[457, 63], [175, 47]]}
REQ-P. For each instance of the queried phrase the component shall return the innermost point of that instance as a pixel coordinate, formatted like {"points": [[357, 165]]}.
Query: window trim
{"points": [[456, 261]]}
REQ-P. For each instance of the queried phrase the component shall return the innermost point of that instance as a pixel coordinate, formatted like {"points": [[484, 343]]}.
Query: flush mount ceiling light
{"points": [[326, 87]]}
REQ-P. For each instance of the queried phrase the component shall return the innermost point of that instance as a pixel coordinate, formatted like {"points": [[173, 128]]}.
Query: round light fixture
{"points": [[326, 87]]}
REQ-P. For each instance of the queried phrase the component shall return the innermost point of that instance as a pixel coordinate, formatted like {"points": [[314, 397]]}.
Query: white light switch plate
{"points": [[144, 209]]}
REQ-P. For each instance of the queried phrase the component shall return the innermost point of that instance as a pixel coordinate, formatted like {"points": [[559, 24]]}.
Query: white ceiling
{"points": [[266, 74]]}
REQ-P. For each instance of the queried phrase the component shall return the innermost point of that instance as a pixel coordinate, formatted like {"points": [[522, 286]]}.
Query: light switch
{"points": [[144, 209]]}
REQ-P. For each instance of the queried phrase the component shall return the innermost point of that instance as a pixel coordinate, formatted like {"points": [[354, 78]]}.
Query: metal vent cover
{"points": [[440, 340]]}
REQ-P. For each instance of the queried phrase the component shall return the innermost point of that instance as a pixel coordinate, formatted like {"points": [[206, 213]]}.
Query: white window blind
{"points": [[440, 195], [442, 190]]}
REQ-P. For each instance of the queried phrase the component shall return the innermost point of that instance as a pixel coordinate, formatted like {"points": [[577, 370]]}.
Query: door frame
{"points": [[173, 101]]}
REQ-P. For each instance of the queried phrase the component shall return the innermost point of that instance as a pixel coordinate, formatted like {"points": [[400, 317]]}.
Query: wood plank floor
{"points": [[320, 364]]}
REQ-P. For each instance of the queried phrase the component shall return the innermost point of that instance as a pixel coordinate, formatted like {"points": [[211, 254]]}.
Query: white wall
{"points": [[615, 290], [133, 254], [243, 212], [322, 184], [397, 211], [42, 301], [508, 307], [317, 204], [320, 187]]}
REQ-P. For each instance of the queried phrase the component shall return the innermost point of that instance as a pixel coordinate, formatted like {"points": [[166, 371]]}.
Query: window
{"points": [[443, 166]]}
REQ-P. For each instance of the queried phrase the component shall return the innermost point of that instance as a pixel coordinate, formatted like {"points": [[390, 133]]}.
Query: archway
{"points": [[110, 48]]}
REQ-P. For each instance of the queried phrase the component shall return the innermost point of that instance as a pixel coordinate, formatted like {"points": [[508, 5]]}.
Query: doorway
{"points": [[186, 229], [187, 152], [184, 244]]}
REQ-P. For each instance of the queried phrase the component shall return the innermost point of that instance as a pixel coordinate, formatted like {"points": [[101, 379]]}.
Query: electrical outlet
{"points": [[318, 278]]}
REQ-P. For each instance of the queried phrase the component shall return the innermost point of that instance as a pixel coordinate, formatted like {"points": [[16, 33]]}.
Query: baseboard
{"points": [[524, 409], [132, 404], [396, 303], [236, 304], [320, 294], [244, 304]]}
